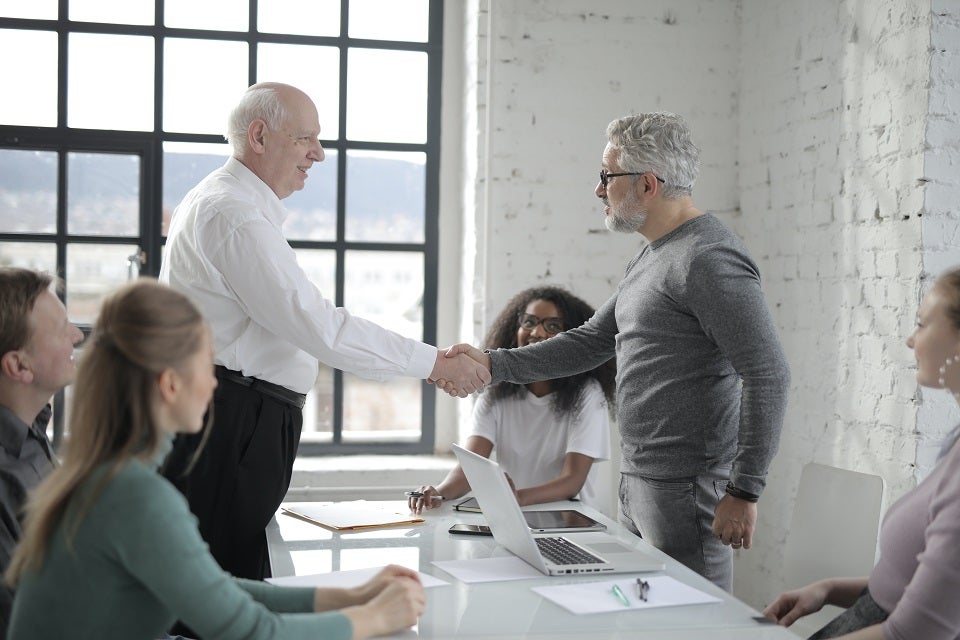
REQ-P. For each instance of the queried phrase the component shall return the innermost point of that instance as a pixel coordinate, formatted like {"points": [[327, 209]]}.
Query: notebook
{"points": [[592, 553]]}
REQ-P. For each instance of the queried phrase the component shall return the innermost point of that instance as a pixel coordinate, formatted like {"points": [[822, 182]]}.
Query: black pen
{"points": [[643, 587], [419, 494]]}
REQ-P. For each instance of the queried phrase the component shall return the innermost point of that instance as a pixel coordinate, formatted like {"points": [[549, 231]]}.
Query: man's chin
{"points": [[619, 225]]}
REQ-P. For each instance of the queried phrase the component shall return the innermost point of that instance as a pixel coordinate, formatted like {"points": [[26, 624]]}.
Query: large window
{"points": [[116, 108]]}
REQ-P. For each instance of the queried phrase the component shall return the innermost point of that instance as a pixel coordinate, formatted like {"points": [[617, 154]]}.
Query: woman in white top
{"points": [[547, 434]]}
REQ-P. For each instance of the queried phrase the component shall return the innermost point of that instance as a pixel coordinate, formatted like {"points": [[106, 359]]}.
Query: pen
{"points": [[419, 494], [619, 594], [643, 587]]}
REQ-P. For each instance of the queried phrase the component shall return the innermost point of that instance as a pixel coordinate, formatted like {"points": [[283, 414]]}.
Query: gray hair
{"points": [[259, 102], [659, 143]]}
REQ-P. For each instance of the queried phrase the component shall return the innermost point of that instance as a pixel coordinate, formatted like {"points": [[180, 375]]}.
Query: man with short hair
{"points": [[36, 361], [271, 326], [701, 377]]}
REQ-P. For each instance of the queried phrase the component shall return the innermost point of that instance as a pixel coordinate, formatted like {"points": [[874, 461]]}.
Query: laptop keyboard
{"points": [[562, 551]]}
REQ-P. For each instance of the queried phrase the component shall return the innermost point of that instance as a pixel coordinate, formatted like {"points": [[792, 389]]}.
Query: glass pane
{"points": [[314, 70], [385, 196], [126, 12], [407, 20], [39, 9], [103, 194], [28, 191], [321, 267], [218, 15], [312, 211], [387, 95], [201, 102], [41, 256], [301, 17], [395, 415], [34, 75], [93, 271], [386, 287], [110, 82], [184, 165], [318, 410]]}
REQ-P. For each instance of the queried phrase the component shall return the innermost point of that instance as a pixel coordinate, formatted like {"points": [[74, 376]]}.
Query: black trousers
{"points": [[241, 474]]}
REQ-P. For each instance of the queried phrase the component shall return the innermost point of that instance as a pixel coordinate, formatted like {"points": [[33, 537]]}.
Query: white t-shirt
{"points": [[530, 440]]}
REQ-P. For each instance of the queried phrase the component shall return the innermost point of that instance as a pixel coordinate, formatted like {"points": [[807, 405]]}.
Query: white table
{"points": [[504, 609]]}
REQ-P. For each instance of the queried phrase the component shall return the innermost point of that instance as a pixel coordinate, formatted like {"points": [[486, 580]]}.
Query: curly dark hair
{"points": [[568, 392]]}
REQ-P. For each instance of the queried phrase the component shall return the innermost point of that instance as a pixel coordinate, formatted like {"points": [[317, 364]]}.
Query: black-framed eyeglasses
{"points": [[529, 322], [605, 176]]}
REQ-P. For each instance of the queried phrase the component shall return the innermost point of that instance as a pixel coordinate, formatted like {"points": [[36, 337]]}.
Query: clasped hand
{"points": [[461, 370]]}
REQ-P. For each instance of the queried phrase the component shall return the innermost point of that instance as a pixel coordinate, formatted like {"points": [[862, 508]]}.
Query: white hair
{"points": [[659, 143], [259, 102]]}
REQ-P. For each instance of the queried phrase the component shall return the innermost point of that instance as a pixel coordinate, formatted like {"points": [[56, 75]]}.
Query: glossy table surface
{"points": [[508, 609]]}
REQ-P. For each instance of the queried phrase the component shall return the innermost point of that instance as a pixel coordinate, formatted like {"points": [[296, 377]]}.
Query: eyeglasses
{"points": [[605, 176], [550, 325]]}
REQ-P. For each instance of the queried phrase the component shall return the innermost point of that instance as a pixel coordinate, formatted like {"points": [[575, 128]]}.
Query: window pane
{"points": [[185, 164], [93, 271], [201, 102], [126, 12], [314, 70], [387, 95], [318, 410], [407, 20], [312, 211], [219, 15], [41, 256], [394, 416], [110, 82], [386, 287], [103, 194], [301, 17], [373, 217], [34, 75], [320, 266], [39, 9], [28, 191]]}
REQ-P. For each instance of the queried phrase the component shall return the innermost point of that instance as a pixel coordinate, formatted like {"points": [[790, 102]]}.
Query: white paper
{"points": [[489, 569], [345, 579], [598, 597]]}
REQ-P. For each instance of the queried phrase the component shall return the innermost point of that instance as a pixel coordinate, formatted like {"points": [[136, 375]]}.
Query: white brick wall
{"points": [[829, 143]]}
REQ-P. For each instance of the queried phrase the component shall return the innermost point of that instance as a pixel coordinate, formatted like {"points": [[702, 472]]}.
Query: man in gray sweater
{"points": [[701, 377]]}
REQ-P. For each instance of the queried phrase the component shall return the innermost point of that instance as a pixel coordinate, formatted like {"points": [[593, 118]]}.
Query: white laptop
{"points": [[595, 553]]}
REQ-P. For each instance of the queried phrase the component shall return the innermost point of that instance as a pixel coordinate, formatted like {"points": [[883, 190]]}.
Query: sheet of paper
{"points": [[358, 514], [488, 569], [345, 579], [598, 597]]}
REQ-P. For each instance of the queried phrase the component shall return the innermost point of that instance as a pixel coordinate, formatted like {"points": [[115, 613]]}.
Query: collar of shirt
{"points": [[13, 431], [273, 210]]}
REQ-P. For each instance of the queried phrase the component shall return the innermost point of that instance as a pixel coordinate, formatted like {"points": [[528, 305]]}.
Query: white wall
{"points": [[828, 136]]}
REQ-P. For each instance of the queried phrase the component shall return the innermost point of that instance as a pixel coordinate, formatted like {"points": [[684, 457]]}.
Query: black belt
{"points": [[274, 391]]}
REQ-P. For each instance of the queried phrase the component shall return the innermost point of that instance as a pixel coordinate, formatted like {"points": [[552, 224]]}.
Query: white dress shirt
{"points": [[227, 252]]}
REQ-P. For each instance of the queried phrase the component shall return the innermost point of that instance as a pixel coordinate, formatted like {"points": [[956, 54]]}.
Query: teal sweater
{"points": [[137, 563]]}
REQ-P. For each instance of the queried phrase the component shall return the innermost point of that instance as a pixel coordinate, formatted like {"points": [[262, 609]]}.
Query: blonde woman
{"points": [[110, 549]]}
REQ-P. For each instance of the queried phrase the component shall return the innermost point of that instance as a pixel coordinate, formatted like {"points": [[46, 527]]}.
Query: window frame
{"points": [[148, 145]]}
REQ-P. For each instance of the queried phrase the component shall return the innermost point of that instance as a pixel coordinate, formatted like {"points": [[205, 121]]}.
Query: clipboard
{"points": [[356, 515]]}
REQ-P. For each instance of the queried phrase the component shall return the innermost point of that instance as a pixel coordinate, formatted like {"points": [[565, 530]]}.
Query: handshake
{"points": [[460, 370]]}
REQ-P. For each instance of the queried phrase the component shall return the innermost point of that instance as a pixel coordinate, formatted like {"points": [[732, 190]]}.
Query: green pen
{"points": [[622, 598]]}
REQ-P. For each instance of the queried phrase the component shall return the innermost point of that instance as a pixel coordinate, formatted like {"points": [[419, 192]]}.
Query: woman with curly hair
{"points": [[547, 434]]}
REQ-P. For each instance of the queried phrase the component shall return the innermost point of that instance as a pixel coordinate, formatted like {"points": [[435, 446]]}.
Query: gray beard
{"points": [[622, 220]]}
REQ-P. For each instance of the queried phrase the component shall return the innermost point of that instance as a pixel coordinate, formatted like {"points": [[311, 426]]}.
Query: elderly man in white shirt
{"points": [[271, 326]]}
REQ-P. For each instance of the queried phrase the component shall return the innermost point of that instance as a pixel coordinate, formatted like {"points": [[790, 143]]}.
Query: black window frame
{"points": [[148, 145]]}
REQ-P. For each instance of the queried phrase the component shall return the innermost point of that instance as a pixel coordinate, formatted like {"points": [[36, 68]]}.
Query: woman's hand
{"points": [[792, 605], [398, 603], [430, 499], [367, 591]]}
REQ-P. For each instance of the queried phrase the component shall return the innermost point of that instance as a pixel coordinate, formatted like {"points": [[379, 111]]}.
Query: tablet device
{"points": [[561, 520]]}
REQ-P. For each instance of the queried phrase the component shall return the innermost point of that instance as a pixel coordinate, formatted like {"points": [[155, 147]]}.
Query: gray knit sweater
{"points": [[701, 377]]}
